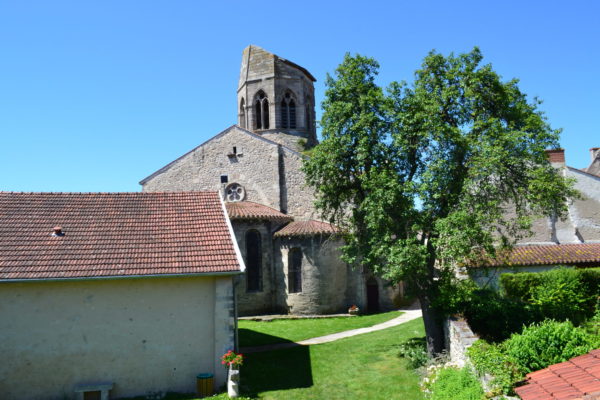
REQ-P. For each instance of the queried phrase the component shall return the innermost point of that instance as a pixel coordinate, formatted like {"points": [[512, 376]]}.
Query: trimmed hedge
{"points": [[562, 293]]}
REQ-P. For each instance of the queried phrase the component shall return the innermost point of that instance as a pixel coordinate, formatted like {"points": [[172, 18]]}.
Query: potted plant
{"points": [[233, 361]]}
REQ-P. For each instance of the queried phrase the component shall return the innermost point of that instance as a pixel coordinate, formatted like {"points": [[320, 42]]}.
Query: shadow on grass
{"points": [[276, 369], [250, 338]]}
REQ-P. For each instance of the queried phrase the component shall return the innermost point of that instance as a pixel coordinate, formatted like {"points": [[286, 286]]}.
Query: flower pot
{"points": [[233, 382]]}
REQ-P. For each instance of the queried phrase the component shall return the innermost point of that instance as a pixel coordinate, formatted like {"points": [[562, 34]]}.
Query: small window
{"points": [[224, 178], [253, 261], [234, 150], [242, 113], [295, 271]]}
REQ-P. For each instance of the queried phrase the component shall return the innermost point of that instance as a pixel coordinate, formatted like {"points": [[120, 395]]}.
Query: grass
{"points": [[365, 367], [258, 333], [362, 367]]}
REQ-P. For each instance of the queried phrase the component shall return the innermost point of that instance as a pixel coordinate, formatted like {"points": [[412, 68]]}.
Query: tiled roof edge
{"points": [[236, 248], [112, 277]]}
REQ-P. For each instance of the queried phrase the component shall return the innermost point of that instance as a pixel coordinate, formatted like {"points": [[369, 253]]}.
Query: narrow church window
{"points": [[261, 111], [253, 261], [243, 113], [288, 111], [295, 271]]}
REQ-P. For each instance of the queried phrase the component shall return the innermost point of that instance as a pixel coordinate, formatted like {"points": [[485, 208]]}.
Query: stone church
{"points": [[292, 258]]}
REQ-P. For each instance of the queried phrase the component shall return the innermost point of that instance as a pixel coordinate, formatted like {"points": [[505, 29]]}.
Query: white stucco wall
{"points": [[146, 335]]}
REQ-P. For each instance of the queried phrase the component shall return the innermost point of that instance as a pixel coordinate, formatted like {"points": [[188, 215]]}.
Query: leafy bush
{"points": [[489, 358], [561, 295], [550, 342], [455, 384], [517, 286], [415, 351], [494, 317]]}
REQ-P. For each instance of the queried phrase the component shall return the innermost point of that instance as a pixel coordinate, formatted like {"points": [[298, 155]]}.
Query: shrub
{"points": [[489, 359], [561, 295], [547, 343], [455, 384], [494, 317], [415, 351], [517, 286]]}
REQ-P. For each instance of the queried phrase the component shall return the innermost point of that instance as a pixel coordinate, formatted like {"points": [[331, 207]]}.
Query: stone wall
{"points": [[255, 167], [263, 300], [459, 337], [324, 276]]}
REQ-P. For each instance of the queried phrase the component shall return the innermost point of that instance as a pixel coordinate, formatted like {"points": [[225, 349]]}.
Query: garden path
{"points": [[408, 315]]}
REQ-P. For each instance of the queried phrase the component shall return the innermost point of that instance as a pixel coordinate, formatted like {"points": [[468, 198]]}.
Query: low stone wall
{"points": [[459, 337]]}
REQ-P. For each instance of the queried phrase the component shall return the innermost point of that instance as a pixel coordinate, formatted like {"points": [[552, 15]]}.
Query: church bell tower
{"points": [[276, 99]]}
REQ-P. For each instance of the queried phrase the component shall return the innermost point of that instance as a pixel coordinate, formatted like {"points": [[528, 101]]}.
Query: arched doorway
{"points": [[372, 295]]}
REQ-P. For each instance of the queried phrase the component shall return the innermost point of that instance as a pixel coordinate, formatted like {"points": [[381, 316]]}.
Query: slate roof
{"points": [[584, 253], [114, 234], [306, 228], [577, 378], [248, 210]]}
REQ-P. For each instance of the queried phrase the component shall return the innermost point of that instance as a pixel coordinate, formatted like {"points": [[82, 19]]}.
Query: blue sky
{"points": [[96, 95]]}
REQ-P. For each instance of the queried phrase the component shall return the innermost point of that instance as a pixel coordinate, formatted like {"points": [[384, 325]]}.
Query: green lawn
{"points": [[362, 367], [256, 333]]}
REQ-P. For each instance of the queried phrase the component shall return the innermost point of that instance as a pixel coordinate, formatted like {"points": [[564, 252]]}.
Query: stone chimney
{"points": [[556, 157], [594, 167]]}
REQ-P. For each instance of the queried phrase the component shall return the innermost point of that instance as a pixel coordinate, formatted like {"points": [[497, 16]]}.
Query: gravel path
{"points": [[408, 315]]}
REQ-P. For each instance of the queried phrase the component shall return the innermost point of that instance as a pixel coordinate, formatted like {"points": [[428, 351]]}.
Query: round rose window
{"points": [[235, 192]]}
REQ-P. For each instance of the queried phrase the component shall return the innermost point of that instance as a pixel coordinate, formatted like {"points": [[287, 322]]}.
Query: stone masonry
{"points": [[258, 164]]}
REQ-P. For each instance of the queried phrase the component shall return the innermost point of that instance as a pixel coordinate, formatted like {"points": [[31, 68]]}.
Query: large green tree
{"points": [[427, 176]]}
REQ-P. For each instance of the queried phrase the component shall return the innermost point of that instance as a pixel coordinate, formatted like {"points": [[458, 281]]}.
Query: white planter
{"points": [[233, 382]]}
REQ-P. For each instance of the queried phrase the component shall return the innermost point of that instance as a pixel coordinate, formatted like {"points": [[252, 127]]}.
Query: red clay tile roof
{"points": [[306, 228], [550, 254], [572, 379], [247, 210], [113, 234]]}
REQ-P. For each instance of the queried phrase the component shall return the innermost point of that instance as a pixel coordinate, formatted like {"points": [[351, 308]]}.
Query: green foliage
{"points": [[518, 285], [547, 343], [415, 351], [560, 294], [419, 175], [456, 384], [489, 358], [494, 317]]}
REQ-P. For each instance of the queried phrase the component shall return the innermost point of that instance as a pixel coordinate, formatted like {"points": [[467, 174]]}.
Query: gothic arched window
{"points": [[253, 261], [261, 111], [295, 271], [243, 113], [288, 111]]}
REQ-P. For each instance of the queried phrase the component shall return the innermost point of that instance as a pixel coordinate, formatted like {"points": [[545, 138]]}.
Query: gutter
{"points": [[120, 277]]}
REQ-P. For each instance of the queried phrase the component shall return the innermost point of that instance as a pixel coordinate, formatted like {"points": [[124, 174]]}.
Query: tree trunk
{"points": [[434, 330]]}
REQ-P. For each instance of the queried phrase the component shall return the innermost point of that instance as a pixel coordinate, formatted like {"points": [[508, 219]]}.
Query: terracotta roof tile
{"points": [[306, 228], [247, 210], [585, 253], [113, 234], [572, 379]]}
